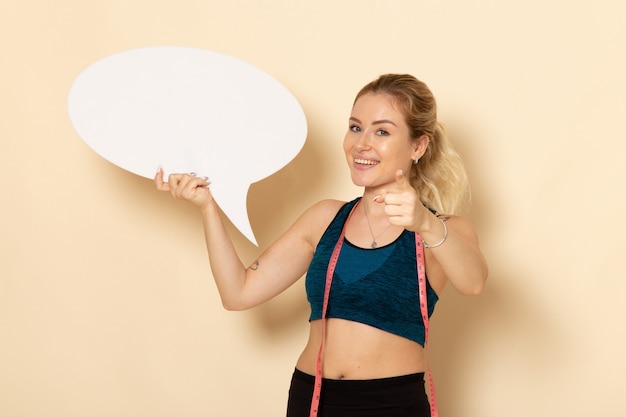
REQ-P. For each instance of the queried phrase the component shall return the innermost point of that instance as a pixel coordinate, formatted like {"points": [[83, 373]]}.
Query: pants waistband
{"points": [[376, 383]]}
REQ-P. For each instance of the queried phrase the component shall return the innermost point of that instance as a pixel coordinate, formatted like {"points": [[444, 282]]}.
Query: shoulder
{"points": [[316, 219], [327, 206], [305, 233], [323, 212]]}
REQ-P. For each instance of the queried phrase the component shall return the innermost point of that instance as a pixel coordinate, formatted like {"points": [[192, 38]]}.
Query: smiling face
{"points": [[378, 142]]}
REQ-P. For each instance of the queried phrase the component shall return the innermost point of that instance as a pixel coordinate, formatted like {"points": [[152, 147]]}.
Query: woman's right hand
{"points": [[185, 187]]}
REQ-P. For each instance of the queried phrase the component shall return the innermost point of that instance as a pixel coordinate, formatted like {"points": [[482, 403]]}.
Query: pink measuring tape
{"points": [[421, 278]]}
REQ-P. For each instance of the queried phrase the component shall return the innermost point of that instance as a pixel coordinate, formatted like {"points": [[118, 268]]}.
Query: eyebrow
{"points": [[377, 122]]}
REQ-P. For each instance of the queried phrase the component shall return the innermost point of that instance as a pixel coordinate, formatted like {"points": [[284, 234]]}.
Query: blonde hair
{"points": [[439, 178]]}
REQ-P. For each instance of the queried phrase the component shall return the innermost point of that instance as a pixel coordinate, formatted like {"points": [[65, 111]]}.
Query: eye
{"points": [[355, 128], [382, 132]]}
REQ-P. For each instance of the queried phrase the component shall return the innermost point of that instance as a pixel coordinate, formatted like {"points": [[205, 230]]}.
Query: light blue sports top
{"points": [[377, 287]]}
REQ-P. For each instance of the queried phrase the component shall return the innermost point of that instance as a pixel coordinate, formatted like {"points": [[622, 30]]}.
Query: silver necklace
{"points": [[373, 245]]}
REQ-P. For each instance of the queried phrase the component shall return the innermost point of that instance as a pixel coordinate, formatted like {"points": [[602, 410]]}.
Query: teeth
{"points": [[365, 162]]}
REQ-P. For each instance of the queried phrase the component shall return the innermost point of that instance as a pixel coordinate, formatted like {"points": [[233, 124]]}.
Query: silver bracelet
{"points": [[445, 236]]}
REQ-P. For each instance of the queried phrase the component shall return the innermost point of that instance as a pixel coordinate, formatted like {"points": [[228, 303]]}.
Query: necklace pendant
{"points": [[374, 245]]}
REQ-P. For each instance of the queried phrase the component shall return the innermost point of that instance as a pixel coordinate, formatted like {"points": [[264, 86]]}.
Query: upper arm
{"points": [[288, 258]]}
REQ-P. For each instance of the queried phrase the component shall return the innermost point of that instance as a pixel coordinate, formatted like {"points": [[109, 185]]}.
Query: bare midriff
{"points": [[358, 351]]}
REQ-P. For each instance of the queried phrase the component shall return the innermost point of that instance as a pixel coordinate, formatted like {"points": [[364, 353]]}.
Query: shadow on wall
{"points": [[506, 328], [274, 204]]}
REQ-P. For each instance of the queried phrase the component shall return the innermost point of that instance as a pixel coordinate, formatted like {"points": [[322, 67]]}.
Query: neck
{"points": [[374, 205], [377, 228]]}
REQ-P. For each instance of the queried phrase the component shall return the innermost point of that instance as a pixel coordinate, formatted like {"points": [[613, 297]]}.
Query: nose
{"points": [[363, 141]]}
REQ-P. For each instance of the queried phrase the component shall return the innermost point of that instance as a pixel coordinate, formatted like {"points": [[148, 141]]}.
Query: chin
{"points": [[359, 182]]}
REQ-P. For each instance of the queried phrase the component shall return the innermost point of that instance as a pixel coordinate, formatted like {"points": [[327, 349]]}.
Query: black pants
{"points": [[402, 396]]}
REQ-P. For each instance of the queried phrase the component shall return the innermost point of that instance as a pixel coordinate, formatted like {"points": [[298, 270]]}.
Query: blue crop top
{"points": [[377, 287]]}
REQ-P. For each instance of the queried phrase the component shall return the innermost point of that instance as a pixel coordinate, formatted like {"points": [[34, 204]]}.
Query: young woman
{"points": [[372, 332]]}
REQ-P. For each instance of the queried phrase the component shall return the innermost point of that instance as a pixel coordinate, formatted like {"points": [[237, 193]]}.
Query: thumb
{"points": [[161, 185], [401, 179]]}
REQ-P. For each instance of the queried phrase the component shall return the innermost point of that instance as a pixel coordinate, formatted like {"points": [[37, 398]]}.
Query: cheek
{"points": [[386, 148], [402, 155], [347, 144]]}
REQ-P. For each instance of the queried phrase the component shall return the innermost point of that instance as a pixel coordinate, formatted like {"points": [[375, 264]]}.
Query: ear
{"points": [[419, 146]]}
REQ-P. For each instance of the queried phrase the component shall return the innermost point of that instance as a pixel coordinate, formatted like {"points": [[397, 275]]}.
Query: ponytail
{"points": [[440, 178]]}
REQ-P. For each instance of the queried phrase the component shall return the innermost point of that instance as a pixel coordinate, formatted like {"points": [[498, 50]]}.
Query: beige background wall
{"points": [[107, 306]]}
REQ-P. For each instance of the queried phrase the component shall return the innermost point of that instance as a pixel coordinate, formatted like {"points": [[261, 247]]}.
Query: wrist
{"points": [[436, 233], [209, 207]]}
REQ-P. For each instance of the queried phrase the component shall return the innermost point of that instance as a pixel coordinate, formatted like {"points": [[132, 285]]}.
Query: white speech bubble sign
{"points": [[189, 110]]}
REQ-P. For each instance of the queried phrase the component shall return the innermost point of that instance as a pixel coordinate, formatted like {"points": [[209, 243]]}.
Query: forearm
{"points": [[458, 256], [228, 270], [229, 273]]}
